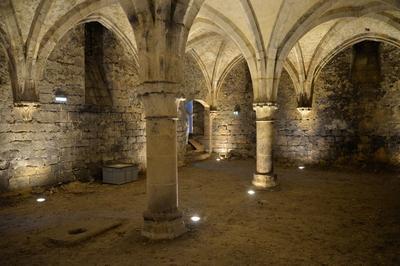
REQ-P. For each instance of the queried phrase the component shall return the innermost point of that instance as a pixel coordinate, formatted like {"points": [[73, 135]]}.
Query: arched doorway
{"points": [[199, 132]]}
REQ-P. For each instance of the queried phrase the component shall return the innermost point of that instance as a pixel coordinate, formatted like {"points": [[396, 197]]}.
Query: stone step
{"points": [[197, 145]]}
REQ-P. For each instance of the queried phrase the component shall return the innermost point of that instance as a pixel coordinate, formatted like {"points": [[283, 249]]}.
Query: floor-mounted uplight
{"points": [[195, 218], [304, 111], [236, 111], [61, 99], [218, 159], [40, 200], [301, 167], [251, 192]]}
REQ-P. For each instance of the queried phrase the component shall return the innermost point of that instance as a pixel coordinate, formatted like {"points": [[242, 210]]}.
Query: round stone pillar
{"points": [[264, 177], [208, 129], [162, 219]]}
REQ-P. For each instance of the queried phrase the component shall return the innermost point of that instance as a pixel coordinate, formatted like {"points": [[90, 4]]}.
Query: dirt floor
{"points": [[319, 217]]}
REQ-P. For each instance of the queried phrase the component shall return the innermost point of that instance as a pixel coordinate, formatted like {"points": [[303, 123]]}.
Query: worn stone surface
{"points": [[319, 217], [347, 123], [193, 85], [264, 176], [72, 141], [231, 133], [235, 132]]}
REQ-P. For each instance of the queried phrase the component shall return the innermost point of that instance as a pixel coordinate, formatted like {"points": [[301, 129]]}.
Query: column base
{"points": [[161, 226], [265, 181]]}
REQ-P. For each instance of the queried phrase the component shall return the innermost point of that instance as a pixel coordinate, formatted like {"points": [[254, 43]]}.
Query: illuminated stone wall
{"points": [[347, 124], [232, 132], [192, 87], [71, 141]]}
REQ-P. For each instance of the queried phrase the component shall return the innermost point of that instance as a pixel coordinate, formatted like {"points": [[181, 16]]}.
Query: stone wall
{"points": [[193, 85], [347, 124], [71, 141], [235, 133], [198, 119], [379, 113], [231, 133]]}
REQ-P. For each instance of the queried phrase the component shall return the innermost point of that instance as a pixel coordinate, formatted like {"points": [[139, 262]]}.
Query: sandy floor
{"points": [[318, 217]]}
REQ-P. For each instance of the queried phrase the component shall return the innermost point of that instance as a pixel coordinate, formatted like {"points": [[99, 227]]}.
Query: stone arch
{"points": [[227, 28], [5, 44], [11, 38], [33, 42], [81, 13], [222, 25], [202, 102], [317, 15], [254, 25], [351, 42], [335, 33], [290, 69], [313, 19], [227, 70], [203, 69], [111, 26]]}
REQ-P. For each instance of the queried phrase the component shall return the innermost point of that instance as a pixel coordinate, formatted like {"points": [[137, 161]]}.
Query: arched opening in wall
{"points": [[80, 140], [376, 79], [97, 87], [355, 115], [366, 66], [198, 130]]}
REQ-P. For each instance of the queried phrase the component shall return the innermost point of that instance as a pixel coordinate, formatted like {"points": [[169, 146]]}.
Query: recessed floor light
{"points": [[40, 199], [195, 218], [251, 192], [301, 167]]}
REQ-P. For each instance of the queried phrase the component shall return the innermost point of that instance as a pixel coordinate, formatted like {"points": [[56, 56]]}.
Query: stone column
{"points": [[162, 219], [209, 116], [264, 177]]}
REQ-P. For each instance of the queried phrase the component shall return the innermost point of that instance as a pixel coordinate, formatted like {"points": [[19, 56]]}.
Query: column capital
{"points": [[160, 105], [149, 87], [26, 109], [304, 111], [265, 111], [213, 113]]}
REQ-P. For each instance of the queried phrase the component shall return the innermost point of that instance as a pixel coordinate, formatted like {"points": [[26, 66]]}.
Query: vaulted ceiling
{"points": [[300, 35]]}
